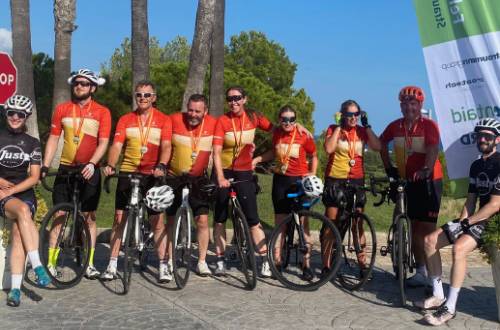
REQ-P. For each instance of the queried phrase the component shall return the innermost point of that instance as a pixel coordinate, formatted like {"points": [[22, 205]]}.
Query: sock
{"points": [[91, 257], [113, 262], [16, 280], [56, 255], [422, 270], [163, 262], [437, 287], [52, 252], [451, 302], [34, 258]]}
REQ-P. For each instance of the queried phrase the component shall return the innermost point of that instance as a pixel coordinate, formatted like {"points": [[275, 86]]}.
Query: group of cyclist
{"points": [[156, 145]]}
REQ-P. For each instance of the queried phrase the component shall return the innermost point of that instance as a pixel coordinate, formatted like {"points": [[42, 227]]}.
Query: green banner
{"points": [[445, 20]]}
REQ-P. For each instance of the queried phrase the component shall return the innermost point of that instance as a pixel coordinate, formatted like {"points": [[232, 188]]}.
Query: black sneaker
{"points": [[365, 272], [440, 316], [307, 274], [325, 271]]}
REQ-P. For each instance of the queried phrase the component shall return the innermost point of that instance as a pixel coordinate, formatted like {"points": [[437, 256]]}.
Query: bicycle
{"points": [[289, 248], [63, 229], [136, 234], [359, 239], [399, 237]]}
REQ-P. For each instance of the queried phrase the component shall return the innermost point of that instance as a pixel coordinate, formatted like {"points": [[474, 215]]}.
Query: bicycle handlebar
{"points": [[121, 175], [76, 172]]}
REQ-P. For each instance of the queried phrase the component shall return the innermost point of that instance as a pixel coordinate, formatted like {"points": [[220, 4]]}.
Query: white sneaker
{"points": [[265, 270], [202, 269], [164, 274], [52, 270], [430, 303], [221, 269], [109, 274], [417, 280], [91, 272]]}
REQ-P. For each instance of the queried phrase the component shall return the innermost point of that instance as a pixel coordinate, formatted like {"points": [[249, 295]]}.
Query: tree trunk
{"points": [[64, 25], [200, 50], [217, 61], [21, 53], [140, 43]]}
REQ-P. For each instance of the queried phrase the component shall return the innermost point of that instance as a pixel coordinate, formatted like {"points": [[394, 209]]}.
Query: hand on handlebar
{"points": [[108, 170], [224, 183], [43, 172], [88, 171]]}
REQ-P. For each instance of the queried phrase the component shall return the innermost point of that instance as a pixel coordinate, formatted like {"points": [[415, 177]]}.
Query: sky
{"points": [[361, 50]]}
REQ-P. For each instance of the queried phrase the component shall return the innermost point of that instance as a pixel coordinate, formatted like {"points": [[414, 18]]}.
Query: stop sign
{"points": [[8, 77]]}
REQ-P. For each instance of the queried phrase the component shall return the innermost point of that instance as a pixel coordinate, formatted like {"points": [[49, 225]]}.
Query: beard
{"points": [[81, 97], [485, 147], [194, 121]]}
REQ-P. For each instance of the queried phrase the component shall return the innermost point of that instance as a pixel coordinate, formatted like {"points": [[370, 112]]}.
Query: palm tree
{"points": [[21, 53], [200, 50], [217, 61], [140, 42]]}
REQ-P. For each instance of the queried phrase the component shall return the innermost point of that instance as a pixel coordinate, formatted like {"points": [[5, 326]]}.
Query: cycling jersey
{"points": [[142, 147], [18, 151], [484, 178], [191, 148], [410, 144], [236, 136], [290, 149], [347, 160], [82, 127]]}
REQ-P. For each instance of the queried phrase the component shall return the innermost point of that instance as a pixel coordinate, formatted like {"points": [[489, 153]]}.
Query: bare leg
{"points": [[159, 234], [420, 230], [259, 239], [278, 219], [327, 241], [17, 253], [203, 236], [117, 232], [220, 238]]}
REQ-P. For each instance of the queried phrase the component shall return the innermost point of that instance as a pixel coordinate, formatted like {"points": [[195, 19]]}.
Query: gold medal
{"points": [[193, 155], [76, 139], [283, 169], [352, 162], [144, 149]]}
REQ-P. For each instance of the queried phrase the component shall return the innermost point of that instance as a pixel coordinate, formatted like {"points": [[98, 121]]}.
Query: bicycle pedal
{"points": [[383, 251]]}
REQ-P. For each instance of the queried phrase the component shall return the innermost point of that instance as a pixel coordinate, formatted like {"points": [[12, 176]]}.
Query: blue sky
{"points": [[361, 50]]}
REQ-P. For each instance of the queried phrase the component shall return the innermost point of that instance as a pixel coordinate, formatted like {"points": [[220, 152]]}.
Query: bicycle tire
{"points": [[73, 252], [352, 275], [245, 247], [402, 256], [181, 250], [291, 275], [128, 252]]}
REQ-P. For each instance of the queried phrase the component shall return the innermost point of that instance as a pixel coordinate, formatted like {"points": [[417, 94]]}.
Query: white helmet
{"points": [[159, 198], [19, 103], [312, 185], [488, 124], [90, 75]]}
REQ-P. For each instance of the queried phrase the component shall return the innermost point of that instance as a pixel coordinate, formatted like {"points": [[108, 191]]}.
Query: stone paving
{"points": [[214, 303]]}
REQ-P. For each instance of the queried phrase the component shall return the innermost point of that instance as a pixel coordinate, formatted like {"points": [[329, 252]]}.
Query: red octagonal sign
{"points": [[8, 77]]}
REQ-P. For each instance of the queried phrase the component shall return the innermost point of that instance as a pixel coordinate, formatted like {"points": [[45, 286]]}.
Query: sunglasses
{"points": [[351, 114], [144, 95], [21, 115], [234, 98], [487, 136], [287, 120], [81, 83]]}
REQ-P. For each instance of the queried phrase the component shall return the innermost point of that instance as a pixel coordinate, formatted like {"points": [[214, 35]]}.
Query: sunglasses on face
{"points": [[234, 98], [144, 95], [287, 120], [351, 114], [487, 136], [81, 83], [11, 113]]}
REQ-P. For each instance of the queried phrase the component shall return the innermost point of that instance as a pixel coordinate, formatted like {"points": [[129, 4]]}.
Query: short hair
{"points": [[345, 105], [143, 83], [198, 98], [237, 88], [286, 108]]}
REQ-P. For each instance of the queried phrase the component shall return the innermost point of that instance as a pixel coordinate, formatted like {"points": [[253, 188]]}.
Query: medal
{"points": [[193, 155], [352, 162], [351, 143], [285, 157], [144, 149], [76, 139], [283, 169], [195, 141], [78, 128], [144, 135]]}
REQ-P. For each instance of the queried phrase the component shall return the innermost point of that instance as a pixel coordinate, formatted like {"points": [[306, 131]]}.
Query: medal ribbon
{"points": [[76, 131], [237, 147], [144, 137], [195, 141], [285, 160], [351, 143], [408, 138]]}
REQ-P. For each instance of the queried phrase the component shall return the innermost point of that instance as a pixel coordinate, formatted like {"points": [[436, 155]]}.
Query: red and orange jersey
{"points": [[291, 155], [236, 135], [129, 133], [191, 148], [83, 127], [410, 148], [347, 160]]}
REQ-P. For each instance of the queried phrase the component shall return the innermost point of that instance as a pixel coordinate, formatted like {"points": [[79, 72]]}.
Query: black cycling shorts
{"points": [[283, 185], [123, 189], [424, 200], [28, 197], [197, 200], [331, 192], [475, 231], [90, 190], [247, 196]]}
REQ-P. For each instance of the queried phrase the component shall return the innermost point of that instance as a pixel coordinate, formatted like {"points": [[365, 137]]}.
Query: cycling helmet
{"points": [[19, 103], [488, 124], [90, 75], [312, 185], [159, 198], [411, 92]]}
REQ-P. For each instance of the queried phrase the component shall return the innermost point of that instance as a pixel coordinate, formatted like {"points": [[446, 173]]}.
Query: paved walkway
{"points": [[212, 303]]}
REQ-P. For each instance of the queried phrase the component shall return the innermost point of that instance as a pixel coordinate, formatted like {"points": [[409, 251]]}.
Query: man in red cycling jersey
{"points": [[416, 148], [86, 125]]}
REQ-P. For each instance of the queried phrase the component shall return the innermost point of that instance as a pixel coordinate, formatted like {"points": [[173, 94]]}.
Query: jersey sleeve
{"points": [[36, 153], [431, 133], [264, 123], [105, 124], [495, 190], [329, 131], [219, 132], [166, 130], [363, 135], [121, 130], [310, 146], [56, 124], [388, 134]]}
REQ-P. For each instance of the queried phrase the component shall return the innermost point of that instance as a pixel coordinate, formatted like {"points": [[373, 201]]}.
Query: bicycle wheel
{"points": [[66, 243], [129, 251], [402, 255], [245, 248], [286, 244], [359, 248], [147, 251], [182, 247]]}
